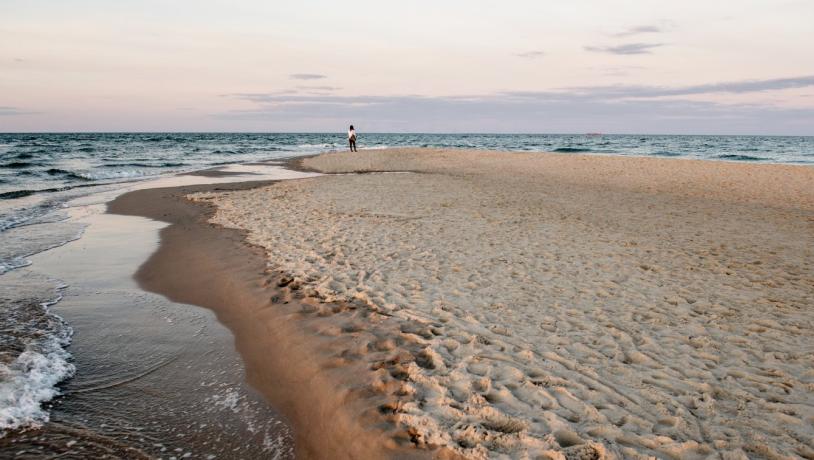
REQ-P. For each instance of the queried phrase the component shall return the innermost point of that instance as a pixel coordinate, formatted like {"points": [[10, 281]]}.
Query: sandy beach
{"points": [[490, 304], [358, 231], [204, 265]]}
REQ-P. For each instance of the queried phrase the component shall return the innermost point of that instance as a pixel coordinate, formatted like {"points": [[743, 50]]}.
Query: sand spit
{"points": [[527, 305]]}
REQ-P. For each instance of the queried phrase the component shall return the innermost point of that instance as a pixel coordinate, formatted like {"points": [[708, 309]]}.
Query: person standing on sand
{"points": [[352, 139]]}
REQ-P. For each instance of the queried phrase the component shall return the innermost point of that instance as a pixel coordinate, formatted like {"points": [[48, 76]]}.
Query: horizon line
{"points": [[437, 133]]}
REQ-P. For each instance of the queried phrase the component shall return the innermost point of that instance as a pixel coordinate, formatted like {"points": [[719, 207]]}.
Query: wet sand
{"points": [[554, 305], [154, 378], [333, 413]]}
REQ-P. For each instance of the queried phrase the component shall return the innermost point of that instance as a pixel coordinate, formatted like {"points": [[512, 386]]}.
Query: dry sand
{"points": [[528, 305], [201, 264]]}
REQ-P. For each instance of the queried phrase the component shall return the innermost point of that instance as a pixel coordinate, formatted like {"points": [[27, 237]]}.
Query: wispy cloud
{"points": [[307, 76], [737, 87], [607, 109], [319, 88], [638, 30], [582, 92], [6, 111], [531, 54], [626, 49]]}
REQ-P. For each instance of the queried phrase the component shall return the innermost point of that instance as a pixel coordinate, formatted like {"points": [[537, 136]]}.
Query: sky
{"points": [[539, 66]]}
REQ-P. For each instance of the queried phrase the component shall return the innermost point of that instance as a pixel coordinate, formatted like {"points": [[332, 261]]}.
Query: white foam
{"points": [[124, 174], [26, 242], [31, 380], [318, 146], [13, 263]]}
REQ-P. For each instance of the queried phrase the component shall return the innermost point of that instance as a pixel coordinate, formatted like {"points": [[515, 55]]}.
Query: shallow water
{"points": [[91, 365], [153, 378]]}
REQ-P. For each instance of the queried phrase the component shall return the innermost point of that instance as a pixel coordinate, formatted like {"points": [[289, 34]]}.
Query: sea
{"points": [[41, 173]]}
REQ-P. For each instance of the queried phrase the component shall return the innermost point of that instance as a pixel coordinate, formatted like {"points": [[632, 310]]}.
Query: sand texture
{"points": [[554, 306], [328, 409]]}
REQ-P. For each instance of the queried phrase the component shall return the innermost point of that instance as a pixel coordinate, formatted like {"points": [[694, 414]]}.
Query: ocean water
{"points": [[48, 163], [41, 173]]}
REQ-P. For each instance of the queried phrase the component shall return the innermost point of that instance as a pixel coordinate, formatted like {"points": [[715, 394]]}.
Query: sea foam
{"points": [[31, 378]]}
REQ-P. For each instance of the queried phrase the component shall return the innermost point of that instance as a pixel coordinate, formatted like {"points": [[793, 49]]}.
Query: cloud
{"points": [[531, 54], [6, 111], [632, 109], [627, 49], [319, 88], [638, 30], [307, 76], [584, 92], [732, 87]]}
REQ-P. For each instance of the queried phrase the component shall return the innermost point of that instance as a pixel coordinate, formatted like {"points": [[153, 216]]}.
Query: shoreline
{"points": [[153, 378], [130, 348], [212, 267]]}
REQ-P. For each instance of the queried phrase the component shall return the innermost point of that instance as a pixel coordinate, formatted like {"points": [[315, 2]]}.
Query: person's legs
{"points": [[350, 144], [353, 145]]}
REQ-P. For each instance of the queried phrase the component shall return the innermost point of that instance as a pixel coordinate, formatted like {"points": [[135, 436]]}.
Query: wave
{"points": [[322, 146], [100, 175], [32, 377], [27, 192], [16, 194], [144, 165], [18, 165], [65, 174], [13, 264], [667, 154], [571, 149], [732, 156]]}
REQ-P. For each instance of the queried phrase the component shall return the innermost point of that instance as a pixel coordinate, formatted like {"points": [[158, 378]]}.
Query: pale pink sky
{"points": [[483, 66]]}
